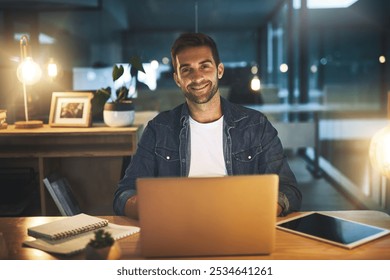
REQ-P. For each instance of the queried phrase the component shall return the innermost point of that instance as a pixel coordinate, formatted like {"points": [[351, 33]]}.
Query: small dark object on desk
{"points": [[102, 247]]}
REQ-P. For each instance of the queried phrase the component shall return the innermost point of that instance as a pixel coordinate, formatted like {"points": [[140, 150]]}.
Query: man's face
{"points": [[197, 75]]}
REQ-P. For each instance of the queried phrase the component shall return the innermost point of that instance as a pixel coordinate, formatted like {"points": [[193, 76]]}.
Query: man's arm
{"points": [[289, 197], [141, 165], [279, 210], [131, 207]]}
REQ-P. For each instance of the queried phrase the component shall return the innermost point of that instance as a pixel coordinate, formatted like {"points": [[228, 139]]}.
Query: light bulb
{"points": [[380, 151], [255, 83], [29, 72], [52, 69]]}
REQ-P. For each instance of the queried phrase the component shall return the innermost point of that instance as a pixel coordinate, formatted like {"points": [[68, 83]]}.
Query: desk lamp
{"points": [[380, 147], [28, 73]]}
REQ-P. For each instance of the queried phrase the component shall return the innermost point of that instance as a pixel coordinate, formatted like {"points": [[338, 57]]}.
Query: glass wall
{"points": [[341, 54]]}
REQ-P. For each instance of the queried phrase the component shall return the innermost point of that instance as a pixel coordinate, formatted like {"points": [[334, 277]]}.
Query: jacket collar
{"points": [[232, 113]]}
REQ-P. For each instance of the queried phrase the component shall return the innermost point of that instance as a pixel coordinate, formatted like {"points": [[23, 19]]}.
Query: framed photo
{"points": [[71, 109]]}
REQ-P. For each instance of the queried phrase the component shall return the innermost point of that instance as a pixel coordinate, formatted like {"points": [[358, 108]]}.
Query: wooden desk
{"points": [[288, 246], [47, 144]]}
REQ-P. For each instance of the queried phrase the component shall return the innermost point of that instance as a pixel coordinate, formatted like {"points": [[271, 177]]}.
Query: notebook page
{"points": [[67, 226]]}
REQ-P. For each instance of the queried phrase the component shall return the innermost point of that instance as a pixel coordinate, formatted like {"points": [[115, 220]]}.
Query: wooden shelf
{"points": [[48, 145]]}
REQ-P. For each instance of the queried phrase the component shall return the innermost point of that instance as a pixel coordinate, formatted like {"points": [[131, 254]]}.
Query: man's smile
{"points": [[199, 87]]}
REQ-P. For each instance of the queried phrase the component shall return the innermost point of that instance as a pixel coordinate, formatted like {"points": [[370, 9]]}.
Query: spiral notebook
{"points": [[70, 235]]}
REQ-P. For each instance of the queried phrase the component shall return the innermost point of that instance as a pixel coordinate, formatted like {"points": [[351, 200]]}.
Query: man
{"points": [[207, 135]]}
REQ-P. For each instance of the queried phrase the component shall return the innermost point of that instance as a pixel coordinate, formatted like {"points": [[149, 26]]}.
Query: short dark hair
{"points": [[186, 40]]}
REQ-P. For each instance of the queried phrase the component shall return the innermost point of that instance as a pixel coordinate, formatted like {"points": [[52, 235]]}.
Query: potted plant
{"points": [[119, 109], [102, 247]]}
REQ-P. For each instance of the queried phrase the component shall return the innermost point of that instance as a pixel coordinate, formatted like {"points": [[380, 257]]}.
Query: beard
{"points": [[203, 98]]}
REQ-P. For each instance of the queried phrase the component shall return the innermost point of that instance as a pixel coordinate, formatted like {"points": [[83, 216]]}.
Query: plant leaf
{"points": [[121, 94], [135, 62], [117, 72], [106, 92]]}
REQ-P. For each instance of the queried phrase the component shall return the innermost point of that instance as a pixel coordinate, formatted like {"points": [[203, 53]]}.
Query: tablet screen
{"points": [[333, 229]]}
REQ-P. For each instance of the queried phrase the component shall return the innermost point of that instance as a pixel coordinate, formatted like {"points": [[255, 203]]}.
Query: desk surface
{"points": [[288, 245]]}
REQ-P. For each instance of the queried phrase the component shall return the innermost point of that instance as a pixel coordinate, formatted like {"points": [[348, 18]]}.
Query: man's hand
{"points": [[279, 210], [131, 207]]}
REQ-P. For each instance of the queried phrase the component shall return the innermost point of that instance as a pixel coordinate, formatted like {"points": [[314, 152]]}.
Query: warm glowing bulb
{"points": [[255, 84], [52, 70], [382, 59], [380, 151], [29, 72]]}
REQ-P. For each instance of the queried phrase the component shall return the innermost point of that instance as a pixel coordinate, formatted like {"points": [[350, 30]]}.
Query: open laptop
{"points": [[207, 216]]}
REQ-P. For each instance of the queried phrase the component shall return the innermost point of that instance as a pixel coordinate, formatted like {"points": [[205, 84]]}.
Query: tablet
{"points": [[334, 230]]}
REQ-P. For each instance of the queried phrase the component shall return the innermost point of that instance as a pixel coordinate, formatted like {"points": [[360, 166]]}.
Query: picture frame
{"points": [[71, 109]]}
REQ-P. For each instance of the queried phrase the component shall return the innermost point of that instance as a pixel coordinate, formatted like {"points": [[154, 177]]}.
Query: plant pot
{"points": [[107, 253], [119, 114]]}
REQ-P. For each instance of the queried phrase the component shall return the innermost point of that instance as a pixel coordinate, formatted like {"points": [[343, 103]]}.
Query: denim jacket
{"points": [[250, 145]]}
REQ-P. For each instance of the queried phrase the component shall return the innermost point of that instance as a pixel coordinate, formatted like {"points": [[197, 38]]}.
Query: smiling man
{"points": [[206, 135]]}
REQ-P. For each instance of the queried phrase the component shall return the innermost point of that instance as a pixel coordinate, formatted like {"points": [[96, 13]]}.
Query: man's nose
{"points": [[196, 76]]}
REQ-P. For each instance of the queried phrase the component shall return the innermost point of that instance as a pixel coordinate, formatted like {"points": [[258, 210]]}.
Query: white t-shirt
{"points": [[207, 149]]}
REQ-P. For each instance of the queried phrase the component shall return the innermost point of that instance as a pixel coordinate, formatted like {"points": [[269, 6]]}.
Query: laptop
{"points": [[207, 216]]}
